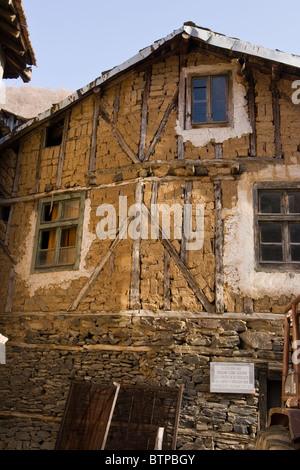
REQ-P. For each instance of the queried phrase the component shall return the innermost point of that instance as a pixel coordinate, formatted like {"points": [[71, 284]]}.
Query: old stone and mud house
{"points": [[95, 288]]}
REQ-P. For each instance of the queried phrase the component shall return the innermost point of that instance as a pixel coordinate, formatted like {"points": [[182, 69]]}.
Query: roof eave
{"points": [[193, 31]]}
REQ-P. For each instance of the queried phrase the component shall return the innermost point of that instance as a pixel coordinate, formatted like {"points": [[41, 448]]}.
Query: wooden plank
{"points": [[144, 118], [62, 151], [110, 414], [135, 297], [7, 252], [187, 200], [98, 268], [276, 113], [276, 317], [123, 144], [167, 283], [8, 227], [117, 103], [182, 97], [87, 416], [10, 290], [92, 159], [18, 171], [252, 113], [159, 438], [219, 250], [181, 114], [187, 275], [39, 160], [161, 126]]}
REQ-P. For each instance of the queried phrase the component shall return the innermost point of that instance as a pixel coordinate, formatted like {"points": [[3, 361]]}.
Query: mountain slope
{"points": [[28, 101]]}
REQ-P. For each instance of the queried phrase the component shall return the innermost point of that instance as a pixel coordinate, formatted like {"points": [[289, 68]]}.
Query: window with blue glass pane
{"points": [[218, 93], [199, 100], [209, 99]]}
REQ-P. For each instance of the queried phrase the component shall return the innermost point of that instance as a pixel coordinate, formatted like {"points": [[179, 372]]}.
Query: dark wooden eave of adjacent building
{"points": [[14, 37]]}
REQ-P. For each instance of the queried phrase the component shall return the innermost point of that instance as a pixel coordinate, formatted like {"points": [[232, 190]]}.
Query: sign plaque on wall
{"points": [[232, 377], [3, 340]]}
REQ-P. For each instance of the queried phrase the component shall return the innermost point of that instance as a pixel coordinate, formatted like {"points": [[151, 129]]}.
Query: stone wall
{"points": [[45, 353]]}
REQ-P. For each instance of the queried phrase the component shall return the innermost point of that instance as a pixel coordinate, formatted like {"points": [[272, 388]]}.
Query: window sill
{"points": [[206, 125], [277, 267]]}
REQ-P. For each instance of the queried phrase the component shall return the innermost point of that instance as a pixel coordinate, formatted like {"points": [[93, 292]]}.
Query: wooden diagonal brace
{"points": [[98, 269], [119, 137], [182, 267], [161, 126]]}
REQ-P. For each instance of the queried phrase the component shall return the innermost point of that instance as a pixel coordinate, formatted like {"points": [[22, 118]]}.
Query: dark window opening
{"points": [[54, 134], [4, 213], [274, 394]]}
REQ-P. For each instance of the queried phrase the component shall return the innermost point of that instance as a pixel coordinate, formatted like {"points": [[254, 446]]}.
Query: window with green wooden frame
{"points": [[277, 225], [59, 233]]}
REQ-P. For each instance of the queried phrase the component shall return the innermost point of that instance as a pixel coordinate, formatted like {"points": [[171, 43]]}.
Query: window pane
{"points": [[50, 212], [46, 258], [294, 201], [270, 202], [271, 253], [71, 209], [271, 233], [47, 239], [219, 108], [294, 233], [67, 255], [199, 100], [54, 134], [68, 237], [295, 252]]}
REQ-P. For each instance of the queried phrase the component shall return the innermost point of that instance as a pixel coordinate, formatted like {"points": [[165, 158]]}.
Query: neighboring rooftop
{"points": [[15, 40]]}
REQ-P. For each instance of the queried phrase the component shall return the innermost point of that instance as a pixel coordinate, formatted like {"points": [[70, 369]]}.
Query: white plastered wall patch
{"points": [[241, 125], [240, 273]]}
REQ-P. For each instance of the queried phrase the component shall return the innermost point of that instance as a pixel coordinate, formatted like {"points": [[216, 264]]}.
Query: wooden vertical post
{"points": [[94, 133], [61, 157], [39, 160], [10, 290], [18, 171], [167, 284], [219, 249], [135, 298], [187, 200], [182, 95], [252, 113], [276, 112], [144, 119]]}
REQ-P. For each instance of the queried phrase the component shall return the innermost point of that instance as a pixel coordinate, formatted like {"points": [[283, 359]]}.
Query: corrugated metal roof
{"points": [[236, 45], [206, 35]]}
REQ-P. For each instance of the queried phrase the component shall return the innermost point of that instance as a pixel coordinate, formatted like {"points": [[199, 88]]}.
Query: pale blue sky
{"points": [[75, 40]]}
